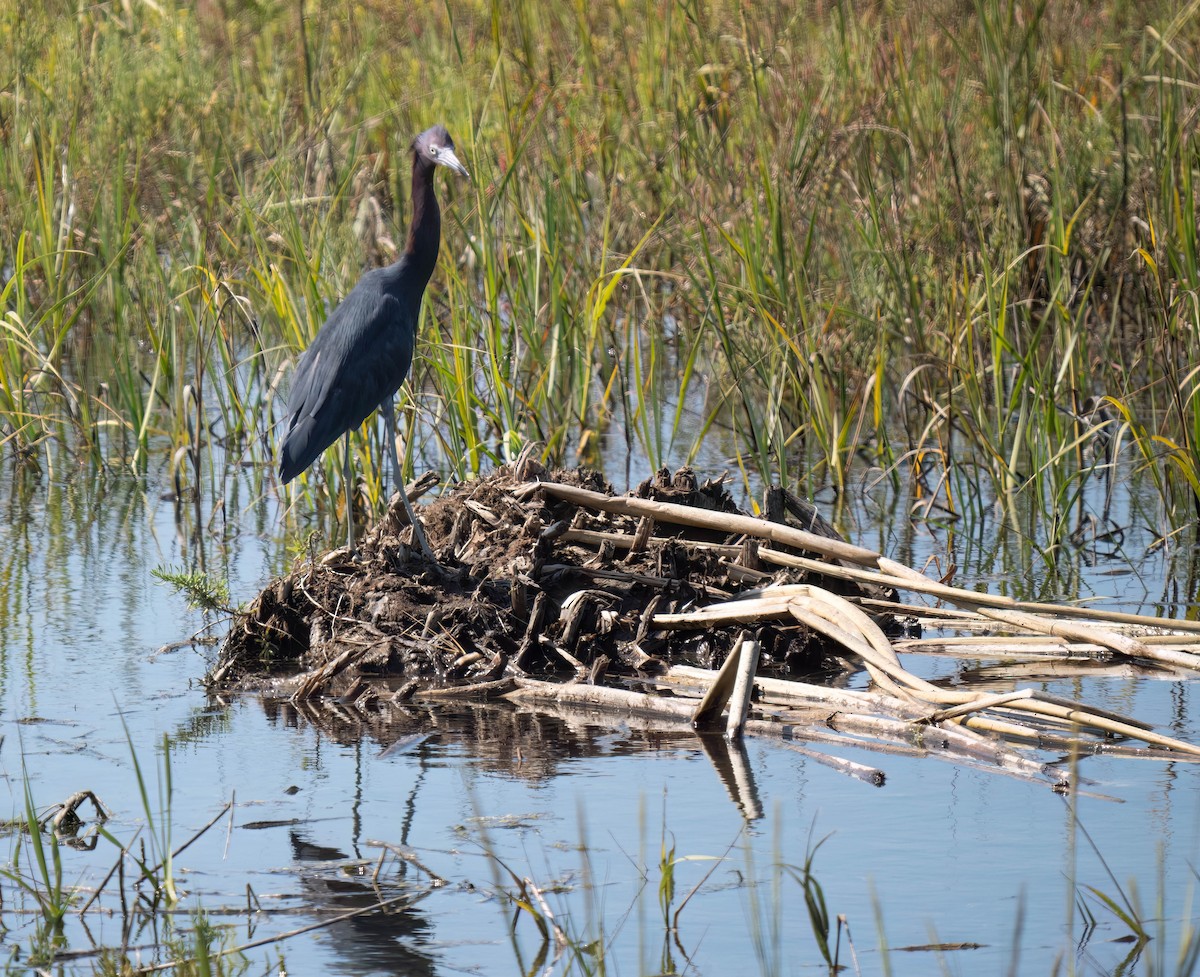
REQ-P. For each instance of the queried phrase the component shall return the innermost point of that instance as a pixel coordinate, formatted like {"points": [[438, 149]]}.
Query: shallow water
{"points": [[940, 853]]}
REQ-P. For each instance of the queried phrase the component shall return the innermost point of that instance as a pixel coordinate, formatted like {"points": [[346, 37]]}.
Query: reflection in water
{"points": [[732, 765], [386, 939], [503, 739]]}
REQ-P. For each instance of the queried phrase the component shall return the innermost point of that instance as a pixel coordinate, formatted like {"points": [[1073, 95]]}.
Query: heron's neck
{"points": [[425, 231]]}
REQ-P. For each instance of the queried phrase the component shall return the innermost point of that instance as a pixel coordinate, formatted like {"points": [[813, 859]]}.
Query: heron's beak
{"points": [[447, 158]]}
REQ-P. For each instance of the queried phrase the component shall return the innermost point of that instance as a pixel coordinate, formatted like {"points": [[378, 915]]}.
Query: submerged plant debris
{"points": [[550, 589]]}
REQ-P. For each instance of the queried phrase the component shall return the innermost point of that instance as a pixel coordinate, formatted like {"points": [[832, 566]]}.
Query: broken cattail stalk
{"points": [[480, 690], [727, 522], [817, 697], [1005, 647], [617, 700], [978, 705], [708, 713], [913, 581], [860, 771], [743, 689]]}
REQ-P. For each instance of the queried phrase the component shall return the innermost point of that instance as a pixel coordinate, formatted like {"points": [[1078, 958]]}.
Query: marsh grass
{"points": [[158, 868], [42, 880], [920, 238], [37, 874]]}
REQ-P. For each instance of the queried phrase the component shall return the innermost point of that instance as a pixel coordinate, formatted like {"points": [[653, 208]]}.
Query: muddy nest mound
{"points": [[538, 573]]}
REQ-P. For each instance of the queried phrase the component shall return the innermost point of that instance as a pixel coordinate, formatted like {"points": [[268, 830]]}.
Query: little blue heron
{"points": [[362, 353]]}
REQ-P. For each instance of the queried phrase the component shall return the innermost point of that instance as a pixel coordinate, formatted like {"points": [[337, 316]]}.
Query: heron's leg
{"points": [[389, 422], [348, 487], [388, 408]]}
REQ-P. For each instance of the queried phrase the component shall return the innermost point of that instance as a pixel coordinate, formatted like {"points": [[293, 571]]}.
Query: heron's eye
{"points": [[433, 150]]}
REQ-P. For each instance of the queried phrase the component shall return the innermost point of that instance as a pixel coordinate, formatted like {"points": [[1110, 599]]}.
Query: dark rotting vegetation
{"points": [[526, 584], [550, 591]]}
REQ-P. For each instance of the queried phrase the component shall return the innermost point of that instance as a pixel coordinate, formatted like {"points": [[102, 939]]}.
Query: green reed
{"points": [[42, 880], [918, 239]]}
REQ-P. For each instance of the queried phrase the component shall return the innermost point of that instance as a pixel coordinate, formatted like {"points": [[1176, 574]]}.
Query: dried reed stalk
{"points": [[683, 515], [1041, 618], [841, 621]]}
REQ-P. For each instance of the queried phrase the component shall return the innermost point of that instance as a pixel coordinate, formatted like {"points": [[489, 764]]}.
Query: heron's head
{"points": [[435, 147]]}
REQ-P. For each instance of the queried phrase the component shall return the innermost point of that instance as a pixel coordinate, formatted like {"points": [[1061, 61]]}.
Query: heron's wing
{"points": [[357, 361]]}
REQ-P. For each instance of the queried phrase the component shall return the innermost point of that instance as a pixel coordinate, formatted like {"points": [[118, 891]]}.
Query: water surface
{"points": [[939, 854]]}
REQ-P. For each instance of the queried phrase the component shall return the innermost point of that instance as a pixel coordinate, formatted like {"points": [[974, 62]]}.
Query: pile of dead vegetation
{"points": [[669, 605], [527, 582]]}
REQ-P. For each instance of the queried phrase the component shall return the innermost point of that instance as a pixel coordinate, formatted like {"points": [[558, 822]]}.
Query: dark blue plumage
{"points": [[361, 356], [356, 363]]}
